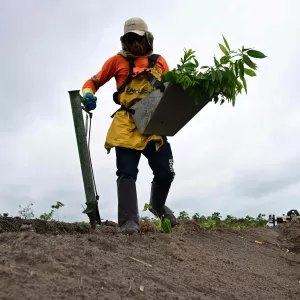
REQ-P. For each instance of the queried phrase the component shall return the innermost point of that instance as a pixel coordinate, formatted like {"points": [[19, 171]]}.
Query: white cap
{"points": [[135, 25]]}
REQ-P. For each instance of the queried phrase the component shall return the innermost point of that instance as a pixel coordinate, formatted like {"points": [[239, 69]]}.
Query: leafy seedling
{"points": [[48, 216], [163, 222], [26, 212], [222, 81]]}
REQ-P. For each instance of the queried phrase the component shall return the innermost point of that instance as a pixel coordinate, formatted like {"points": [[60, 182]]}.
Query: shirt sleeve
{"points": [[107, 71], [163, 64]]}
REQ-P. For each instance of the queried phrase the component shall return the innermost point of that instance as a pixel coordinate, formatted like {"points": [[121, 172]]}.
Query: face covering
{"points": [[125, 52]]}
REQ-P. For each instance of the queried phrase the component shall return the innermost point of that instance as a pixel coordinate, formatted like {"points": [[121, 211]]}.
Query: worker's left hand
{"points": [[89, 101]]}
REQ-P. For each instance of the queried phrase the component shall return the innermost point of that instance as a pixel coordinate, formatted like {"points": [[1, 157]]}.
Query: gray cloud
{"points": [[259, 183]]}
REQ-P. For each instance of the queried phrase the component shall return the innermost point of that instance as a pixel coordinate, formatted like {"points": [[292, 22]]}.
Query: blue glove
{"points": [[89, 101]]}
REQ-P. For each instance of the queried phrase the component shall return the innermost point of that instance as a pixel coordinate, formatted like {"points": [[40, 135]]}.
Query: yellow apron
{"points": [[123, 131]]}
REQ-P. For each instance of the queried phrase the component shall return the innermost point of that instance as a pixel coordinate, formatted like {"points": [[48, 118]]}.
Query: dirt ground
{"points": [[52, 260]]}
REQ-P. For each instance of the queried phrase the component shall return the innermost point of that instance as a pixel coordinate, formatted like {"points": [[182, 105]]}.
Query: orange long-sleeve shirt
{"points": [[117, 66]]}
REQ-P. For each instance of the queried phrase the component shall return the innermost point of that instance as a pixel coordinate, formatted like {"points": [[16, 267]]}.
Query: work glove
{"points": [[89, 101]]}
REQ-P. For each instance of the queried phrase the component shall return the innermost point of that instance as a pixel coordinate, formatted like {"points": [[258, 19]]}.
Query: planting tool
{"points": [[82, 133]]}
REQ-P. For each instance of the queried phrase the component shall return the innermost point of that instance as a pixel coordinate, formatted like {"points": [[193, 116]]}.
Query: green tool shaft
{"points": [[86, 170]]}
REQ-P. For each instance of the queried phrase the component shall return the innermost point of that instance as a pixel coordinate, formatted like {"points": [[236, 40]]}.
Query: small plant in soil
{"points": [[183, 216], [49, 216], [210, 224], [26, 212], [222, 81], [163, 222]]}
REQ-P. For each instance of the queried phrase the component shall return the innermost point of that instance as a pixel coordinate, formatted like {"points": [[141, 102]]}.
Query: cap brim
{"points": [[139, 32]]}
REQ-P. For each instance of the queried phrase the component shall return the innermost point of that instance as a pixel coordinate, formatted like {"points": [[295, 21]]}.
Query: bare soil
{"points": [[53, 260]]}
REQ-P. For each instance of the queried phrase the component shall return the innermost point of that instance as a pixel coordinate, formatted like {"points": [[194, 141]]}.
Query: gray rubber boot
{"points": [[158, 199], [128, 214]]}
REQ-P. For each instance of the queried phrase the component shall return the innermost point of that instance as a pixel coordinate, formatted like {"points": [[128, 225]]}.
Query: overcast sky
{"points": [[235, 160]]}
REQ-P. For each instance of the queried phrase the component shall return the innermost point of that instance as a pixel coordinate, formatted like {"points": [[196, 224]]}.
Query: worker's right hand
{"points": [[89, 101]]}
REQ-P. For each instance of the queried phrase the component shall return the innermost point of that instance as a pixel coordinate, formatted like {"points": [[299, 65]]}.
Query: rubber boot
{"points": [[158, 199], [128, 214]]}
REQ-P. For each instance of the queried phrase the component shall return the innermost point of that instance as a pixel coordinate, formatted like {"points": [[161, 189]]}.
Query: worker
{"points": [[137, 71], [273, 220]]}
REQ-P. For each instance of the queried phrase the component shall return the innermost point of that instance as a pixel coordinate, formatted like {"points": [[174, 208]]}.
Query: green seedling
{"points": [[183, 216], [222, 81], [26, 212], [48, 216], [210, 224], [163, 222]]}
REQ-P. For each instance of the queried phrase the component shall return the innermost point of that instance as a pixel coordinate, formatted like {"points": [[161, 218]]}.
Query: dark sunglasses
{"points": [[133, 37]]}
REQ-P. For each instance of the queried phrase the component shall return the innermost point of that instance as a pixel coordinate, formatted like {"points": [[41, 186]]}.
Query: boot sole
{"points": [[130, 231]]}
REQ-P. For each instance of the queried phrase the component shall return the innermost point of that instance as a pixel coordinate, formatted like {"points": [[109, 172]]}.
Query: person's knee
{"points": [[166, 175], [127, 163], [127, 170], [127, 173]]}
